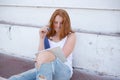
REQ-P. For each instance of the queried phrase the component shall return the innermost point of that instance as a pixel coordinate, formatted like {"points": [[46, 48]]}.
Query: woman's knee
{"points": [[46, 57]]}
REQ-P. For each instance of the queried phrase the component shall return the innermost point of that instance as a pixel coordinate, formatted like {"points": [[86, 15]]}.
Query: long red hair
{"points": [[66, 27]]}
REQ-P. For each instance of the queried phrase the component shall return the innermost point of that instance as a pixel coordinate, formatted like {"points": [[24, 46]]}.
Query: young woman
{"points": [[48, 66]]}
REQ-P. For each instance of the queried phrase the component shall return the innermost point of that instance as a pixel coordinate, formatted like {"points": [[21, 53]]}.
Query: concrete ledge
{"points": [[10, 65], [80, 74]]}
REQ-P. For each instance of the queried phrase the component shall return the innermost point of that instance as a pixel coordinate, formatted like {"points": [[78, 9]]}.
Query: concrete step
{"points": [[10, 65]]}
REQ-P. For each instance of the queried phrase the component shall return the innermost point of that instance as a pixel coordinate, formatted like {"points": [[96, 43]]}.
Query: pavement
{"points": [[11, 65]]}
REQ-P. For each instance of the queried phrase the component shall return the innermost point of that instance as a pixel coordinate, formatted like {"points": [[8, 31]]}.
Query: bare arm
{"points": [[70, 44], [42, 33], [41, 45]]}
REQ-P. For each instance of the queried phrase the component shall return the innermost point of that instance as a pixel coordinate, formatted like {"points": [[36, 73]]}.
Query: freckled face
{"points": [[58, 23]]}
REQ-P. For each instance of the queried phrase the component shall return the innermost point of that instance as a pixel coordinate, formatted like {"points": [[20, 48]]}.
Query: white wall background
{"points": [[20, 21]]}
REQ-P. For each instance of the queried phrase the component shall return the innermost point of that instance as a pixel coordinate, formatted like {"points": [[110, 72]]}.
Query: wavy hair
{"points": [[66, 27]]}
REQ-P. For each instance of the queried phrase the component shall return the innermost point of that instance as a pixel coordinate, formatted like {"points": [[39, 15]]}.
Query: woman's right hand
{"points": [[42, 32]]}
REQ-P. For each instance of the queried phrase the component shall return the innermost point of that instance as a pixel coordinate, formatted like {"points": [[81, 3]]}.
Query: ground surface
{"points": [[10, 65]]}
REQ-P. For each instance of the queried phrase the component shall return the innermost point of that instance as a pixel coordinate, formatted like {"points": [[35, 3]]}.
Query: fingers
{"points": [[43, 31], [37, 64]]}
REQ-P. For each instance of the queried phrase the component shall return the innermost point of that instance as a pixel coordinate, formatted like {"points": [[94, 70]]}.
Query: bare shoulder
{"points": [[71, 36]]}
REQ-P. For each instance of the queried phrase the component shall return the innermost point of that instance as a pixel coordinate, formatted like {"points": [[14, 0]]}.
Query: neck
{"points": [[57, 34]]}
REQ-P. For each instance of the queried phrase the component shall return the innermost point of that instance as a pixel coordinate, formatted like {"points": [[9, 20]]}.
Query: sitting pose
{"points": [[47, 65]]}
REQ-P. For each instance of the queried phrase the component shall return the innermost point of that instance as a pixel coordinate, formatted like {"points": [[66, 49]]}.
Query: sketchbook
{"points": [[57, 51]]}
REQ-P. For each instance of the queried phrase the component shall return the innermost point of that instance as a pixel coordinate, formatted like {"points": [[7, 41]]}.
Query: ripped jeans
{"points": [[55, 70]]}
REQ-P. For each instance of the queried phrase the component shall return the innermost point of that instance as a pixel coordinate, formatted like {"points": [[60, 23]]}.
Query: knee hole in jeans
{"points": [[41, 77]]}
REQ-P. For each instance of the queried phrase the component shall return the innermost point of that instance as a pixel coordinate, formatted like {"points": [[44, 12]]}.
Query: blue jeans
{"points": [[55, 70]]}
